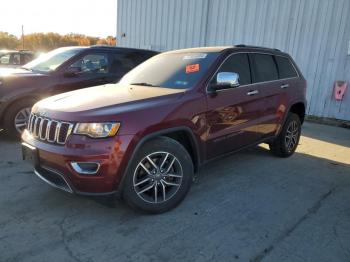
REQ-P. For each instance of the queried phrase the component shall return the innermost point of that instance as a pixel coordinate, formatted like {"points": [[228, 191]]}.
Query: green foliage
{"points": [[49, 41]]}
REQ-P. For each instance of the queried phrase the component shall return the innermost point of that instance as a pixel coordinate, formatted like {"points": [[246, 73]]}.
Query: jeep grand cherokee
{"points": [[144, 137]]}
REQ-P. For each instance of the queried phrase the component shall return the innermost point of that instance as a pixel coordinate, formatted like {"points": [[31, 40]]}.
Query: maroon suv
{"points": [[144, 137]]}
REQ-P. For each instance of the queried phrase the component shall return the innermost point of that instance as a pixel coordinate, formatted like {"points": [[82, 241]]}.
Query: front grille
{"points": [[49, 130]]}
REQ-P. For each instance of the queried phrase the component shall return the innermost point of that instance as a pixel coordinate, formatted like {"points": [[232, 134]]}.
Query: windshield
{"points": [[50, 61], [172, 70]]}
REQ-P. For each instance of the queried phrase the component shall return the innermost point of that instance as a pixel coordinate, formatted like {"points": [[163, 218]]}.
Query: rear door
{"points": [[265, 77], [233, 113]]}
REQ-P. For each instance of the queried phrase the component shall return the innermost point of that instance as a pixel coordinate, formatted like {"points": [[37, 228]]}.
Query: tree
{"points": [[49, 41], [8, 41]]}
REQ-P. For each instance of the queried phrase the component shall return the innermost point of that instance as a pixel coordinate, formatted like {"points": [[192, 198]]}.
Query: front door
{"points": [[233, 114], [91, 70]]}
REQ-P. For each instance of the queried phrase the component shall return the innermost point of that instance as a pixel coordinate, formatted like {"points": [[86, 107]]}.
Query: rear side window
{"points": [[144, 56], [263, 68], [285, 67], [124, 62], [27, 58], [237, 63]]}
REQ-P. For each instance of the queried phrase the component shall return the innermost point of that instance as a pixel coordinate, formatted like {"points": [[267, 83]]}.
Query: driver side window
{"points": [[92, 63], [237, 63]]}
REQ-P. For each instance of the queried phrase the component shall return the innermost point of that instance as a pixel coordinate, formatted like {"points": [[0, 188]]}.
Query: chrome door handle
{"points": [[251, 93], [284, 86]]}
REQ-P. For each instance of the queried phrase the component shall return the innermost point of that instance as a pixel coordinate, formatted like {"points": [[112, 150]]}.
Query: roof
{"points": [[211, 49], [108, 47], [217, 49]]}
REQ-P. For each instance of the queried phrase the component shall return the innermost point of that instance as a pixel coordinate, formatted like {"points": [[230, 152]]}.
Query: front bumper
{"points": [[54, 163]]}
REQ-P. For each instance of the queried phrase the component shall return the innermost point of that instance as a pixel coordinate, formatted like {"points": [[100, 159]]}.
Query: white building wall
{"points": [[315, 32]]}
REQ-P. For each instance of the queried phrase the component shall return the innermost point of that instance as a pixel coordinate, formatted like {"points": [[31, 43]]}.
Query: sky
{"points": [[89, 17]]}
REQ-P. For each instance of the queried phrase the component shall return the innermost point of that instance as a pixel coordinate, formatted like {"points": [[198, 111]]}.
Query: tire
{"points": [[287, 141], [173, 171], [11, 114]]}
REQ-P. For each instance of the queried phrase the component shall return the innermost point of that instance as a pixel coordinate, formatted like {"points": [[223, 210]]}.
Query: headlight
{"points": [[96, 130]]}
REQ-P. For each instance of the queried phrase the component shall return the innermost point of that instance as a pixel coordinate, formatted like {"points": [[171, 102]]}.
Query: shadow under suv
{"points": [[61, 70], [144, 137]]}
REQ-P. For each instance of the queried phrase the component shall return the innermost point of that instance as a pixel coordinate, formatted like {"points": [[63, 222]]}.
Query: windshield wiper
{"points": [[143, 84]]}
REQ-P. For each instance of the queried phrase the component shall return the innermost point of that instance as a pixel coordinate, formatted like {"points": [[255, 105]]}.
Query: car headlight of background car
{"points": [[97, 130]]}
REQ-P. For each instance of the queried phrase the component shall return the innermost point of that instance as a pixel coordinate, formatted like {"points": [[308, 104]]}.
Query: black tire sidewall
{"points": [[159, 144]]}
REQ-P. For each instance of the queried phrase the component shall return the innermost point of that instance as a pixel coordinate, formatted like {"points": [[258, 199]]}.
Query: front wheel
{"points": [[16, 117], [159, 177], [287, 141]]}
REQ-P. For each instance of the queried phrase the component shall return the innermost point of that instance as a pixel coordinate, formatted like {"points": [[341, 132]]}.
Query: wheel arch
{"points": [[182, 134], [14, 101], [299, 109]]}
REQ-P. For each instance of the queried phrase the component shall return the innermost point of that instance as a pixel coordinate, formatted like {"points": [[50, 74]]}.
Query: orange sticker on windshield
{"points": [[192, 68]]}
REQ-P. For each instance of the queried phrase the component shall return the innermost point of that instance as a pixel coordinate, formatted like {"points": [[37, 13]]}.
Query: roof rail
{"points": [[103, 46], [261, 47]]}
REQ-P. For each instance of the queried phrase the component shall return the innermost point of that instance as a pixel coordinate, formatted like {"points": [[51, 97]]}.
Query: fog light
{"points": [[86, 168]]}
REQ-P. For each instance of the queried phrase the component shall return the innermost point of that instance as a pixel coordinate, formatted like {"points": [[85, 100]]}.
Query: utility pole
{"points": [[22, 38]]}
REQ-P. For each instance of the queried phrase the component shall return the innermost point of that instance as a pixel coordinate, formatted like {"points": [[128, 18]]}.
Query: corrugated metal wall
{"points": [[315, 32]]}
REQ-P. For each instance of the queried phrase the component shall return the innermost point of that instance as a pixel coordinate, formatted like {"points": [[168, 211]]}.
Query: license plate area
{"points": [[30, 154]]}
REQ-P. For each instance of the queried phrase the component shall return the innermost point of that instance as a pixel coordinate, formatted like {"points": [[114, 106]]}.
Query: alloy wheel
{"points": [[157, 177], [292, 135], [21, 119]]}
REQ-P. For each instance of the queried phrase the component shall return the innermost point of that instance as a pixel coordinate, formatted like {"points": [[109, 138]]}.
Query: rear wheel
{"points": [[287, 141], [159, 177], [16, 117]]}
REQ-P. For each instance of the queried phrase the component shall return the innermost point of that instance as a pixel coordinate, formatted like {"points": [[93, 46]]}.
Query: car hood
{"points": [[17, 72], [104, 100]]}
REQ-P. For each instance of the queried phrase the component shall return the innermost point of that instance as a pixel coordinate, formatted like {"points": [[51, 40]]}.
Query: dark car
{"points": [[13, 58], [144, 137], [61, 70]]}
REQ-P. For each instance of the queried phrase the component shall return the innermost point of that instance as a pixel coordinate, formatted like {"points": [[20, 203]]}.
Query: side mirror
{"points": [[72, 72], [226, 80]]}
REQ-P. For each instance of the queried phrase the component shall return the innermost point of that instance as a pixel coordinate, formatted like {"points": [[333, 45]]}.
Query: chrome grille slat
{"points": [[69, 128], [35, 131], [33, 124], [43, 129], [30, 121], [52, 131], [48, 129], [58, 128], [40, 127]]}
